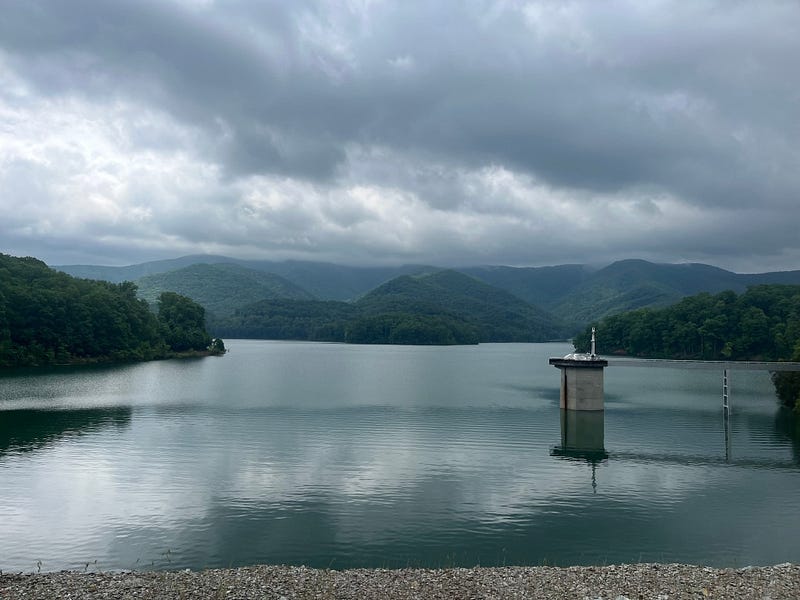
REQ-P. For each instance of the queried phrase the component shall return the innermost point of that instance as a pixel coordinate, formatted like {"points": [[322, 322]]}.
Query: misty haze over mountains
{"points": [[572, 294]]}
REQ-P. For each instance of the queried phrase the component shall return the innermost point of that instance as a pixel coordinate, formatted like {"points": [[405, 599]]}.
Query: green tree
{"points": [[762, 323], [49, 317], [182, 323]]}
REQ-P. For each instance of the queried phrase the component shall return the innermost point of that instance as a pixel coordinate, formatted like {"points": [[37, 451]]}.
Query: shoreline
{"points": [[614, 582], [107, 361]]}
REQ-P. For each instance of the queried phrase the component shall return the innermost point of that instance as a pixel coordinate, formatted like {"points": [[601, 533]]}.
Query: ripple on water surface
{"points": [[381, 456]]}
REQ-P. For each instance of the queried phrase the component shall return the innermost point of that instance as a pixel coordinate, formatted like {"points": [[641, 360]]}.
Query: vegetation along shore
{"points": [[51, 318], [762, 323]]}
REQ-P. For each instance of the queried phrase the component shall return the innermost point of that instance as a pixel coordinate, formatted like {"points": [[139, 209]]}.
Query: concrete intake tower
{"points": [[581, 379]]}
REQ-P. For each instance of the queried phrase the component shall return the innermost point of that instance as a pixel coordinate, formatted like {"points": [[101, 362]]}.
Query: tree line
{"points": [[762, 323], [48, 317], [333, 321]]}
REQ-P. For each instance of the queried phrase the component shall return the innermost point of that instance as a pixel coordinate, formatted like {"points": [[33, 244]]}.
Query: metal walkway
{"points": [[741, 365]]}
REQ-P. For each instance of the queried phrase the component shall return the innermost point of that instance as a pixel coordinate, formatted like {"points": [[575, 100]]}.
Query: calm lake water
{"points": [[387, 456]]}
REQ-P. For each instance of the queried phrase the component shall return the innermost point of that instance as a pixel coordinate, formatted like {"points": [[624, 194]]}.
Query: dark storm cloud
{"points": [[497, 90], [204, 68], [589, 102]]}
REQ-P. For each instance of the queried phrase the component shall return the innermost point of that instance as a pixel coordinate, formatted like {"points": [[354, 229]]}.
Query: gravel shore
{"points": [[618, 582]]}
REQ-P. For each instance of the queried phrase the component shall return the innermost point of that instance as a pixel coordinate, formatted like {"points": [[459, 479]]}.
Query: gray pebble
{"points": [[628, 582]]}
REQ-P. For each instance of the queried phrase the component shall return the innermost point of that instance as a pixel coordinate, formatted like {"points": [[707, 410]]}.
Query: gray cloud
{"points": [[524, 132]]}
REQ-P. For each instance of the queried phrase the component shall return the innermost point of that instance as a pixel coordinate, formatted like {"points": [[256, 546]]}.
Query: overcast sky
{"points": [[368, 131]]}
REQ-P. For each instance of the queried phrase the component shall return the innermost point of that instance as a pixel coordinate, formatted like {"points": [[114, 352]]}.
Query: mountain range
{"points": [[557, 299], [443, 307], [325, 281]]}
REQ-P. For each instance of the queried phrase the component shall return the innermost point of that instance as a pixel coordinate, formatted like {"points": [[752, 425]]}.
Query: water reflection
{"points": [[582, 435], [25, 430], [787, 428], [583, 438], [343, 456]]}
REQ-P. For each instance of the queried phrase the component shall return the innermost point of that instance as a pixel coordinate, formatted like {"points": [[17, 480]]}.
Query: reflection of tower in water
{"points": [[583, 438], [582, 404]]}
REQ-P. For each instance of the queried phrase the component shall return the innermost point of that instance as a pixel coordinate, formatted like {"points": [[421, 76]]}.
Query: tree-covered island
{"points": [[762, 323], [50, 318]]}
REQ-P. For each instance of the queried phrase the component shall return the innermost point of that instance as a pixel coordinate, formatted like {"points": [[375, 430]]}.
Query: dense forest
{"points": [[286, 319], [48, 317], [763, 323], [494, 314], [444, 307], [332, 321]]}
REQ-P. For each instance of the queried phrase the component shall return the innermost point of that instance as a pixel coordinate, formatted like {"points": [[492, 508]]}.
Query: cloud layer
{"points": [[367, 131]]}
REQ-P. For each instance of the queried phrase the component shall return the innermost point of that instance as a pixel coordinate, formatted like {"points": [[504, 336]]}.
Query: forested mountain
{"points": [[575, 293], [334, 321], [308, 320], [137, 271], [440, 308], [47, 317], [763, 323], [578, 294], [632, 284], [221, 288], [498, 315], [336, 282], [326, 281], [541, 286]]}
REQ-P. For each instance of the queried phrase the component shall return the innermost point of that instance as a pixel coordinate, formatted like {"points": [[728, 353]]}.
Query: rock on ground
{"points": [[618, 582]]}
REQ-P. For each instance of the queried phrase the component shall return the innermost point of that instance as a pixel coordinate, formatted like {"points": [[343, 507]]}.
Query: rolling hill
{"points": [[498, 315], [630, 284], [284, 319], [580, 295], [542, 286], [137, 271], [577, 294], [336, 282], [445, 307], [221, 288], [326, 281]]}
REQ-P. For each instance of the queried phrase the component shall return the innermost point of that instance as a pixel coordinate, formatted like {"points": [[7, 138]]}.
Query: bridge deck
{"points": [[704, 364]]}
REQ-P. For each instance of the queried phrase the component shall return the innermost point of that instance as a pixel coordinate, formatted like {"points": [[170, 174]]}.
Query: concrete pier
{"points": [[581, 381]]}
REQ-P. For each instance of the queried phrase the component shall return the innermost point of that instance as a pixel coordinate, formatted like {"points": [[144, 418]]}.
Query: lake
{"points": [[344, 456]]}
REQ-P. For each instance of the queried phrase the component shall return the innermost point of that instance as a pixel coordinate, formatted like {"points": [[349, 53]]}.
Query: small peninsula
{"points": [[51, 318]]}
